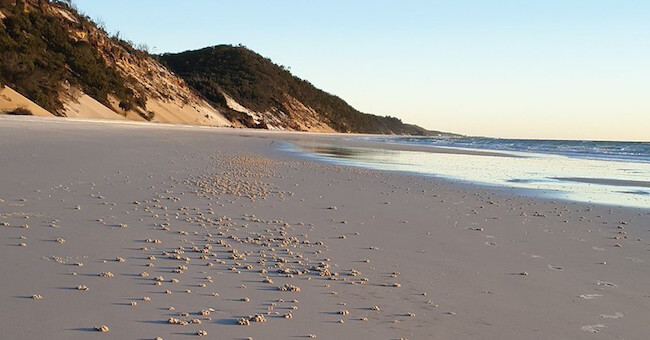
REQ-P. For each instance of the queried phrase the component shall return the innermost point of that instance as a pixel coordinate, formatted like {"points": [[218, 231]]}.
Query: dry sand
{"points": [[11, 100], [127, 231], [80, 106], [85, 107]]}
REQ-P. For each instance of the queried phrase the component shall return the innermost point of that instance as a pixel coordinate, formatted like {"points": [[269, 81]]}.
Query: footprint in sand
{"points": [[616, 315], [605, 283], [593, 328], [590, 296]]}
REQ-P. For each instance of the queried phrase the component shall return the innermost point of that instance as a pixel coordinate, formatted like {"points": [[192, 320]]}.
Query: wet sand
{"points": [[607, 181], [179, 232]]}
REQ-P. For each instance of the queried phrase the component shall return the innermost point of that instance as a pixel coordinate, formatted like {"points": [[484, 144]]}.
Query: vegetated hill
{"points": [[66, 64], [55, 60], [255, 92]]}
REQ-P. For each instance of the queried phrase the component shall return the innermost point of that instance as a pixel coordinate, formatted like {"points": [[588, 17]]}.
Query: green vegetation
{"points": [[257, 83], [38, 56], [44, 54]]}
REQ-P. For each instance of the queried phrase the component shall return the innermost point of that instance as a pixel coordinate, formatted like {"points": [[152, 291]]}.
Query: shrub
{"points": [[21, 111], [38, 56]]}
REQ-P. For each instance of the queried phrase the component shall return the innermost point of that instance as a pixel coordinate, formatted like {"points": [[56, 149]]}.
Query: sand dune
{"points": [[85, 107], [177, 113], [11, 100]]}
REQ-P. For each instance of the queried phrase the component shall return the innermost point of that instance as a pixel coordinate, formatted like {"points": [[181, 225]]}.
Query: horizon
{"points": [[503, 70]]}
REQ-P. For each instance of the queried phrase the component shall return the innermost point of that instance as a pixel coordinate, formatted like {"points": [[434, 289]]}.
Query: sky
{"points": [[511, 69]]}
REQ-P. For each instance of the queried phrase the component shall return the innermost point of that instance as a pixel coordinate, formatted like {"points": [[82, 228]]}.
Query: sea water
{"points": [[608, 173]]}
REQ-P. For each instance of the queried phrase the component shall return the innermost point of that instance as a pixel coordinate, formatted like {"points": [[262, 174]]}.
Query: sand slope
{"points": [[173, 112], [11, 100], [85, 107]]}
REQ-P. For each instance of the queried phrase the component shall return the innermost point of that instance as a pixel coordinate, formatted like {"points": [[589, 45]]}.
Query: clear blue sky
{"points": [[532, 69]]}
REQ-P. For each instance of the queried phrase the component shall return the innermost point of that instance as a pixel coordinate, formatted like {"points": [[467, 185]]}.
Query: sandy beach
{"points": [[145, 231]]}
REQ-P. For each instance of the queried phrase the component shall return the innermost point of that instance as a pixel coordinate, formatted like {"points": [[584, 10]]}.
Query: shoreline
{"points": [[318, 138], [505, 191], [530, 176], [438, 259], [347, 140]]}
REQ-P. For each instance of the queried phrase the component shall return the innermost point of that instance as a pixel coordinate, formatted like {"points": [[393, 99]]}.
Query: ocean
{"points": [[620, 151], [598, 172]]}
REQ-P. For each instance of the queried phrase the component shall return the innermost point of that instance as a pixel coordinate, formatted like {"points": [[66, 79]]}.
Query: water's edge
{"points": [[615, 183]]}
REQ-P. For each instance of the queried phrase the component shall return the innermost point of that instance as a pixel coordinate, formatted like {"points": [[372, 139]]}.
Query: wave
{"points": [[616, 151]]}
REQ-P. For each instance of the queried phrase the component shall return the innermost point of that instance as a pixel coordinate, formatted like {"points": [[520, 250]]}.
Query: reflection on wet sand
{"points": [[584, 180]]}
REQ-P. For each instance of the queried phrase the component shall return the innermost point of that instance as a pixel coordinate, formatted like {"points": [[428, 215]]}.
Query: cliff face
{"points": [[65, 63]]}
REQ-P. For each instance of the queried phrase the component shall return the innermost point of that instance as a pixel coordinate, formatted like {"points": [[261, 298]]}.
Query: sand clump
{"points": [[102, 329], [174, 321], [289, 288], [206, 312], [258, 318]]}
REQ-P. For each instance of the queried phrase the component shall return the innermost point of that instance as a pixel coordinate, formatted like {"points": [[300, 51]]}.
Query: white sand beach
{"points": [[172, 232]]}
